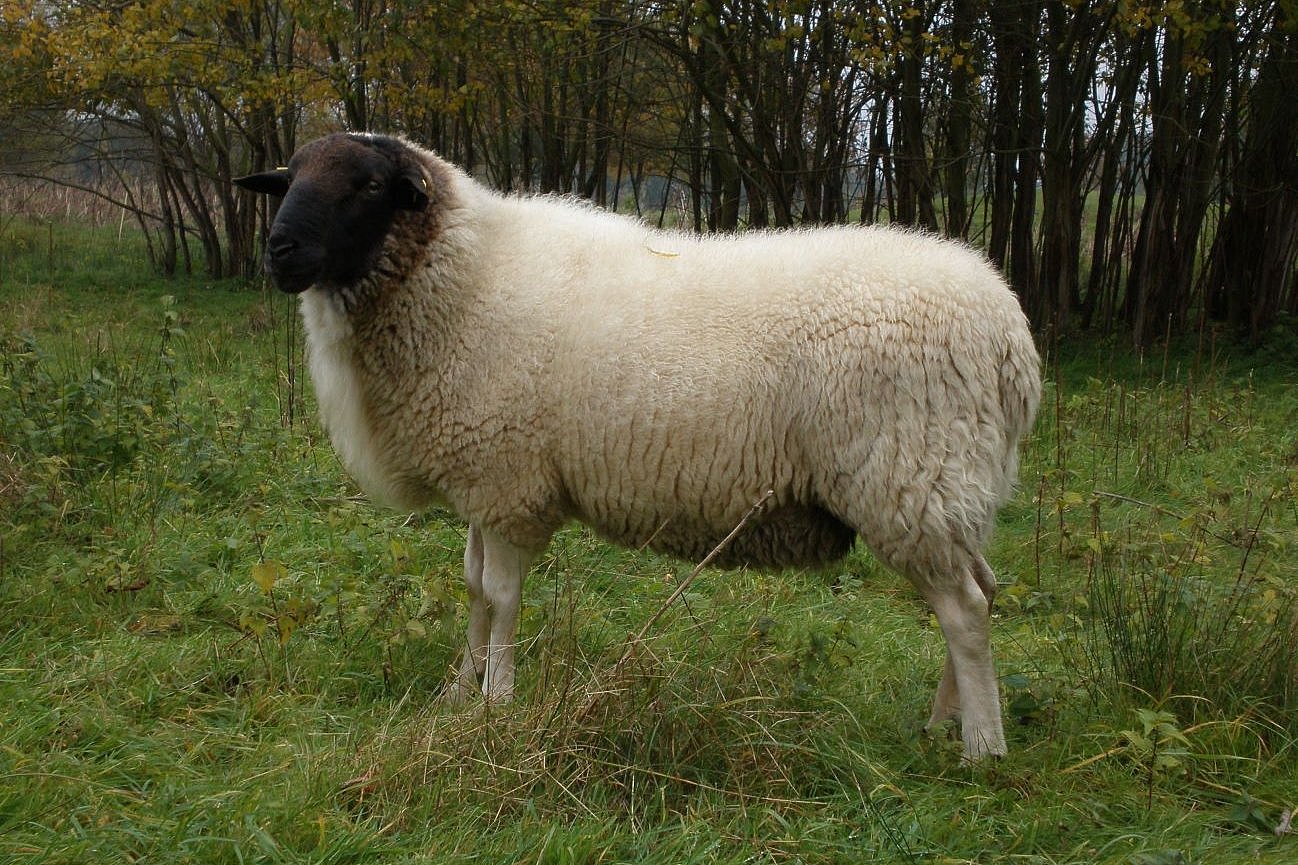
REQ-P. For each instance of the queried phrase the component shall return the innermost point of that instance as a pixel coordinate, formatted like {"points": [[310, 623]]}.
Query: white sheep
{"points": [[530, 361]]}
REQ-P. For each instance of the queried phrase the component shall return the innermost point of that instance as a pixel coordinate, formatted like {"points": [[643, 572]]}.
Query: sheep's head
{"points": [[341, 194]]}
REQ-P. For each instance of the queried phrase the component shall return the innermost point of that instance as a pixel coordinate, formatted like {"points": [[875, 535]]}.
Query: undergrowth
{"points": [[213, 649]]}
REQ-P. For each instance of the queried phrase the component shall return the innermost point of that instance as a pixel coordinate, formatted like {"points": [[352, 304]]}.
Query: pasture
{"points": [[213, 649]]}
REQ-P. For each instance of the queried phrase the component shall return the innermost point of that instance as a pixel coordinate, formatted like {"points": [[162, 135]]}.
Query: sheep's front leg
{"points": [[503, 568], [474, 662], [493, 574]]}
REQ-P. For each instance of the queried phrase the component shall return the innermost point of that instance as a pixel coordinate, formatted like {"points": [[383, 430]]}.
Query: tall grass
{"points": [[1175, 636], [1182, 512]]}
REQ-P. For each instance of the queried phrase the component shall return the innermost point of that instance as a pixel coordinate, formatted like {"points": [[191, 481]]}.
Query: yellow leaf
{"points": [[265, 574], [399, 552]]}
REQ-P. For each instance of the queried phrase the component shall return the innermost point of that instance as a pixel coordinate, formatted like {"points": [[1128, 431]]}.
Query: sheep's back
{"points": [[692, 375]]}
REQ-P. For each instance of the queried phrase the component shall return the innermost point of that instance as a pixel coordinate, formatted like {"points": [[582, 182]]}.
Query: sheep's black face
{"points": [[341, 194]]}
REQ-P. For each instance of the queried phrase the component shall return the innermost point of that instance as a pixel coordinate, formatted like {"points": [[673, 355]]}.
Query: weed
{"points": [[1158, 748], [1157, 624]]}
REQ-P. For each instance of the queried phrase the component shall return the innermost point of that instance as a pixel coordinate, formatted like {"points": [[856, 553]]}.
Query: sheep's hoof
{"points": [[500, 698], [945, 729], [983, 759], [982, 753], [458, 693]]}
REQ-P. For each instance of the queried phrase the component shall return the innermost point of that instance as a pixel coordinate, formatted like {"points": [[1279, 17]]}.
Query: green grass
{"points": [[158, 457]]}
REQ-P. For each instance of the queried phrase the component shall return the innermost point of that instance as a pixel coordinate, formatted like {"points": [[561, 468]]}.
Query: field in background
{"points": [[213, 649]]}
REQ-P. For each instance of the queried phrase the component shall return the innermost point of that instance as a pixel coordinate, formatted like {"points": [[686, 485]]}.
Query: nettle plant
{"points": [[400, 608], [85, 420]]}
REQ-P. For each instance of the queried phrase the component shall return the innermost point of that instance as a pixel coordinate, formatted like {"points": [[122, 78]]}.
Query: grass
{"points": [[213, 649]]}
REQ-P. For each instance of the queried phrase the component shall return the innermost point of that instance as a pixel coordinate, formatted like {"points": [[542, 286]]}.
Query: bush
{"points": [[1168, 633]]}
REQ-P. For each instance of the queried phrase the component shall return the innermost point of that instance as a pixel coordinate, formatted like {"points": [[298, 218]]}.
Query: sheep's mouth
{"points": [[293, 280], [294, 285]]}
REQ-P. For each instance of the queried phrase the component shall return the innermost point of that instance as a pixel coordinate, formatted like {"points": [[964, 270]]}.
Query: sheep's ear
{"points": [[266, 183], [412, 190]]}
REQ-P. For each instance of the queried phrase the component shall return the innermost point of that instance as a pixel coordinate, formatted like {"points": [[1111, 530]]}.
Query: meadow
{"points": [[214, 649]]}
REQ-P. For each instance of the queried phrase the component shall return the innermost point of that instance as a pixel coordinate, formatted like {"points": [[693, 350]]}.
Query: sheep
{"points": [[529, 361]]}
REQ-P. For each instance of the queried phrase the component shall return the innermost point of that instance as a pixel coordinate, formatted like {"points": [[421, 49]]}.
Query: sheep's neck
{"points": [[405, 339]]}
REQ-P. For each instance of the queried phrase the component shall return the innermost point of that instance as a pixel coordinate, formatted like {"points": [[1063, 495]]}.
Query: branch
{"points": [[98, 193]]}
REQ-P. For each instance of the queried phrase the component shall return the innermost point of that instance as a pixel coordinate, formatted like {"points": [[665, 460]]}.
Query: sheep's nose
{"points": [[280, 246]]}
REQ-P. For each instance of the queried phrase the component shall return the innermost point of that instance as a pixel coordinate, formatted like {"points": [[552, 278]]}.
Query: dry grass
{"points": [[88, 204], [651, 726]]}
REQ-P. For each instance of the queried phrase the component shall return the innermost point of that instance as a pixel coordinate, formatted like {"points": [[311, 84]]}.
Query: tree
{"points": [[1188, 72], [1251, 276], [1129, 165], [202, 88]]}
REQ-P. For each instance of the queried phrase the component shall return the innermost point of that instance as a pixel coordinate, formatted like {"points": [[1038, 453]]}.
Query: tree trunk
{"points": [[1251, 276], [959, 120]]}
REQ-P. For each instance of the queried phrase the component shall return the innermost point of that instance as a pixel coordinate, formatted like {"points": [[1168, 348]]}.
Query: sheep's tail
{"points": [[1020, 394]]}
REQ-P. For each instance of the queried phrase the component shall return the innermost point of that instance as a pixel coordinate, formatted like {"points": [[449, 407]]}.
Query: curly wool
{"points": [[536, 361]]}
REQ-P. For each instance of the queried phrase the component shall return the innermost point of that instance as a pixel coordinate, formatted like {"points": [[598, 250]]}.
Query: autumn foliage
{"points": [[1131, 165]]}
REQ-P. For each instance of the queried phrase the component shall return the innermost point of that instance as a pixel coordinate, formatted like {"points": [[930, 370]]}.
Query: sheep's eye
{"points": [[374, 187]]}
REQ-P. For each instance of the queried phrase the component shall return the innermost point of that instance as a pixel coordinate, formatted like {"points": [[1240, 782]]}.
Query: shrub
{"points": [[1169, 632]]}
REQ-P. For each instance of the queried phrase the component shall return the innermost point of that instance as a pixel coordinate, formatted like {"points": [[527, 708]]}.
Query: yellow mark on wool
{"points": [[663, 253]]}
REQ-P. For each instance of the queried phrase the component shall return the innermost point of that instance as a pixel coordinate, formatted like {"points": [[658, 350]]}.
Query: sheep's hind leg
{"points": [[969, 681], [473, 663], [946, 703], [503, 568]]}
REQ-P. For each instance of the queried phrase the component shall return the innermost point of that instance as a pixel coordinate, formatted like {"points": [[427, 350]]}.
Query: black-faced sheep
{"points": [[530, 361]]}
